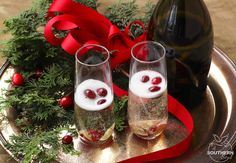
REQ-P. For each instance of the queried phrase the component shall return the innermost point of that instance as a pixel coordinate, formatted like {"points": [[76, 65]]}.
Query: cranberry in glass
{"points": [[90, 93], [102, 92], [95, 134], [145, 79], [156, 80], [102, 101], [154, 89]]}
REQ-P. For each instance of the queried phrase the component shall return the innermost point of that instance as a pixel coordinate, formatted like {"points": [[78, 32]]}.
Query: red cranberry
{"points": [[102, 92], [90, 94], [156, 80], [152, 130], [154, 89], [66, 102], [102, 101], [17, 79], [38, 73], [67, 139], [96, 134], [145, 79]]}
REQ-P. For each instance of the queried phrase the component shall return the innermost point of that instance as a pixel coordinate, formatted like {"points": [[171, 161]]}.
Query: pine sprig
{"points": [[36, 101], [90, 3], [40, 7], [28, 48], [56, 79], [41, 147], [122, 13], [27, 23], [30, 52], [120, 112]]}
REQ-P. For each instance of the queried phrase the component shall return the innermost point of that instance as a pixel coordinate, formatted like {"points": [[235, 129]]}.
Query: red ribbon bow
{"points": [[86, 25]]}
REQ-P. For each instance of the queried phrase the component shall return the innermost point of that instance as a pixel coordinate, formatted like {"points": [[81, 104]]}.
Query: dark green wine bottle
{"points": [[184, 27]]}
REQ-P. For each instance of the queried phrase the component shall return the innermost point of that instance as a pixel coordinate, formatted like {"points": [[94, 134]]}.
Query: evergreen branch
{"points": [[27, 23], [36, 101], [90, 3], [30, 52], [41, 8], [40, 147], [120, 112], [122, 14], [55, 78]]}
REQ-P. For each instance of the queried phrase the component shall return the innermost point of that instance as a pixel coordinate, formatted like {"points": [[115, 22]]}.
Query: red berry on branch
{"points": [[38, 73], [145, 79], [90, 94], [156, 80], [66, 102], [102, 92], [102, 101], [17, 79], [67, 139], [154, 89]]}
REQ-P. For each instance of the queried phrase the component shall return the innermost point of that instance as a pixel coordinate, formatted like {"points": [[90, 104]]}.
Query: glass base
{"points": [[149, 133], [150, 137], [96, 143]]}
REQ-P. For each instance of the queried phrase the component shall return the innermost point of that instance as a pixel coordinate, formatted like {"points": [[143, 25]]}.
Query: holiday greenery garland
{"points": [[43, 86]]}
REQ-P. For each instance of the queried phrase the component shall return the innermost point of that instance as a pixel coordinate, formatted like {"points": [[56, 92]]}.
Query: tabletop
{"points": [[223, 14]]}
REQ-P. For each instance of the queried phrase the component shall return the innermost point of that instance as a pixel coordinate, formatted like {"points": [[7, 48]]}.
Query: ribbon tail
{"points": [[119, 92]]}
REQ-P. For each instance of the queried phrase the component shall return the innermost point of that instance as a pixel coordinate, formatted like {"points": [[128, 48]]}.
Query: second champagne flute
{"points": [[147, 106]]}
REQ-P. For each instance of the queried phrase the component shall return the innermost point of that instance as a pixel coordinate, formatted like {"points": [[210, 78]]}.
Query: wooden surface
{"points": [[223, 14]]}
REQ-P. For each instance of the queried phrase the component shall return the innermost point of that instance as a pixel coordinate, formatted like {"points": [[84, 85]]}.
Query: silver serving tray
{"points": [[214, 115]]}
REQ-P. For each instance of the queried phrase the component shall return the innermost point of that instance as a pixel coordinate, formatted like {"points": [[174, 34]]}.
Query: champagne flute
{"points": [[93, 94], [147, 105]]}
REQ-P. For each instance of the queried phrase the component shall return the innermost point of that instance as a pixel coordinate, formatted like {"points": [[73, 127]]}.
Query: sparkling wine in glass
{"points": [[93, 94], [147, 105]]}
